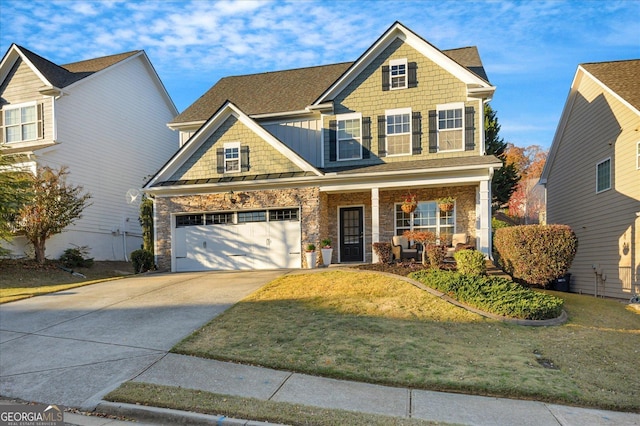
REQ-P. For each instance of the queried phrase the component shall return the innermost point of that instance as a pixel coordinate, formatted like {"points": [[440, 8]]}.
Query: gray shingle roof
{"points": [[623, 77], [400, 166], [289, 90], [63, 75]]}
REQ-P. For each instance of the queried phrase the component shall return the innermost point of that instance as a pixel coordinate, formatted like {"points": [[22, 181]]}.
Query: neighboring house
{"points": [[272, 162], [592, 177], [105, 119]]}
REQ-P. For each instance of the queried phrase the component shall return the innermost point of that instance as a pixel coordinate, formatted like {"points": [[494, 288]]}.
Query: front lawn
{"points": [[374, 328]]}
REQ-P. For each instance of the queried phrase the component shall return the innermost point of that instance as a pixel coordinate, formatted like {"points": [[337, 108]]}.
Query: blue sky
{"points": [[530, 49]]}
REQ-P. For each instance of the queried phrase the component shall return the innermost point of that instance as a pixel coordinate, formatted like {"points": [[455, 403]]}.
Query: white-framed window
{"points": [[426, 217], [398, 131], [603, 175], [232, 157], [398, 74], [451, 127], [349, 136], [638, 156], [20, 122]]}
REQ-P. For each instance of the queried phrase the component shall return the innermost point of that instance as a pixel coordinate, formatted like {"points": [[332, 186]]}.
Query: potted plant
{"points": [[327, 251], [446, 203], [310, 254], [409, 204]]}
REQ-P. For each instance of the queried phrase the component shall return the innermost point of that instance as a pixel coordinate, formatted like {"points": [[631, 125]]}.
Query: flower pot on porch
{"points": [[326, 256], [446, 207], [311, 257], [408, 208]]}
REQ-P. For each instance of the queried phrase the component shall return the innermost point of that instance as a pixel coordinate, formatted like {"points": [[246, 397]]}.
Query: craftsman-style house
{"points": [[103, 118], [272, 162], [592, 177]]}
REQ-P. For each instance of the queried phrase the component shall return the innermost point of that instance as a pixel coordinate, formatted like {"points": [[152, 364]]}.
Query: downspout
{"points": [[124, 238]]}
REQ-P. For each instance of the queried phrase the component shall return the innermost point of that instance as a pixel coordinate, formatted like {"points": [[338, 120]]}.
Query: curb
{"points": [[166, 416]]}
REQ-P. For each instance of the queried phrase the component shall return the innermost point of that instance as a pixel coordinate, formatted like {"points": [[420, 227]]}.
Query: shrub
{"points": [[536, 254], [76, 258], [383, 250], [435, 254], [142, 260], [470, 262], [493, 294]]}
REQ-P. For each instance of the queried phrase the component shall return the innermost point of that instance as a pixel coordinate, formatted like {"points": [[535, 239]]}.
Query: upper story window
{"points": [[398, 131], [349, 136], [20, 123], [232, 157], [603, 175], [450, 128], [638, 156], [398, 74]]}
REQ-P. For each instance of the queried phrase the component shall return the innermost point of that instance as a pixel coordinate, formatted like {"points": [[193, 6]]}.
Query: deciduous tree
{"points": [[54, 205], [14, 192]]}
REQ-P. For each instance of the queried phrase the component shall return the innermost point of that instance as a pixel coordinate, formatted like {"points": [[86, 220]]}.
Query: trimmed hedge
{"points": [[536, 254], [497, 295], [384, 252], [142, 260]]}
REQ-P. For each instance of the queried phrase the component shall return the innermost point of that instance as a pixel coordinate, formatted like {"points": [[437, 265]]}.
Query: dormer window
{"points": [[398, 74]]}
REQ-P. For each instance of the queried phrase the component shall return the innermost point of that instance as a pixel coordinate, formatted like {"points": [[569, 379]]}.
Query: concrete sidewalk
{"points": [[281, 386]]}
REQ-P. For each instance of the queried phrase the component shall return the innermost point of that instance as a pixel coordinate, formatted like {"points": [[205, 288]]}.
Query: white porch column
{"points": [[484, 212], [375, 221]]}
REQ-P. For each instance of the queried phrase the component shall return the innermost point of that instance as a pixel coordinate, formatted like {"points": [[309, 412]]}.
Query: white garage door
{"points": [[263, 239]]}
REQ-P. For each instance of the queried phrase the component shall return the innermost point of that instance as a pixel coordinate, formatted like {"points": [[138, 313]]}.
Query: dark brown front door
{"points": [[351, 234]]}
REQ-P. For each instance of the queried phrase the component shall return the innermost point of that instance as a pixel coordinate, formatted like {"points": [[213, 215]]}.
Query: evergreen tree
{"points": [[506, 178], [14, 192]]}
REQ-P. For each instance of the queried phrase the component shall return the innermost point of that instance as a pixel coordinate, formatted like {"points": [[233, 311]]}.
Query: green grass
{"points": [[374, 328], [248, 408], [23, 278]]}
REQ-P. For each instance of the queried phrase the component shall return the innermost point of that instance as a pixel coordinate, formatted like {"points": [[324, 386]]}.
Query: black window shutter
{"points": [[220, 158], [333, 140], [382, 137], [366, 137], [469, 129], [385, 78], [412, 81], [416, 132], [433, 131], [244, 158], [40, 123]]}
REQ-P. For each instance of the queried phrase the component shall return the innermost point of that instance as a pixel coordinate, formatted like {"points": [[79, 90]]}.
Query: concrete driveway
{"points": [[73, 347]]}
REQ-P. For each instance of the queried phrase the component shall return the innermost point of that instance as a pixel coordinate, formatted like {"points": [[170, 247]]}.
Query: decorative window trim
{"points": [[607, 174], [455, 106], [232, 157], [344, 117], [399, 112], [638, 155], [36, 122], [398, 74]]}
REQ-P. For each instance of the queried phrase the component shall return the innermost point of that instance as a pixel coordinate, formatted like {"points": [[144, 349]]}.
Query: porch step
{"points": [[494, 271]]}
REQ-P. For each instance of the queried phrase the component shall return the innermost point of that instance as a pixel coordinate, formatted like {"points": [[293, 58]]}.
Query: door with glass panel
{"points": [[351, 234]]}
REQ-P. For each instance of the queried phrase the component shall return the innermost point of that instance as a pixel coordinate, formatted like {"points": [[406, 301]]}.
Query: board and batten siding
{"points": [[599, 127], [303, 136], [112, 134]]}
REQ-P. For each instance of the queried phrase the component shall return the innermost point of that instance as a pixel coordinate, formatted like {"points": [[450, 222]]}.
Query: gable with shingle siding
{"points": [[263, 158]]}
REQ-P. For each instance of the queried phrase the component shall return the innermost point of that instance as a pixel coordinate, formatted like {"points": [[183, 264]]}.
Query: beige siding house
{"points": [[104, 118], [592, 177], [272, 162]]}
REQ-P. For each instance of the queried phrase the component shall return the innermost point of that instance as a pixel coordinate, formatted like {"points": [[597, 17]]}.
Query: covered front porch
{"points": [[355, 219]]}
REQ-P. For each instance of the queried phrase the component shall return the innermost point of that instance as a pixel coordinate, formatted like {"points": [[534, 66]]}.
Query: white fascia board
{"points": [[425, 48], [282, 114], [186, 126], [10, 59], [205, 131], [608, 90], [438, 180]]}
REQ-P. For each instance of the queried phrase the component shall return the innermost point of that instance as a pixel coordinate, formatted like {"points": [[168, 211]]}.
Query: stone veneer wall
{"points": [[308, 199]]}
